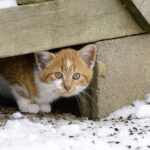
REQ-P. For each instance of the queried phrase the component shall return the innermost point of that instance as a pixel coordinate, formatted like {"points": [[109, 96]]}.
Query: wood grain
{"points": [[60, 23]]}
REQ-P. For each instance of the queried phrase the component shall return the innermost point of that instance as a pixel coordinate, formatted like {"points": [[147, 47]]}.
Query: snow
{"points": [[126, 128], [17, 115], [7, 3]]}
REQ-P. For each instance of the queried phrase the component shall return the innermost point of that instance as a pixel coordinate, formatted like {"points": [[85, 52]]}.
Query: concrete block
{"points": [[127, 76]]}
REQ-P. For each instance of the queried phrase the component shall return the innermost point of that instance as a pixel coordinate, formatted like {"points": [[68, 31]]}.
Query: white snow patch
{"points": [[147, 98], [17, 115], [127, 128], [140, 109], [72, 130], [143, 111], [7, 3]]}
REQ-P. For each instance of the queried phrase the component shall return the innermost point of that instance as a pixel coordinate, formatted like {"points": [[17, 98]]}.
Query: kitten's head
{"points": [[69, 71]]}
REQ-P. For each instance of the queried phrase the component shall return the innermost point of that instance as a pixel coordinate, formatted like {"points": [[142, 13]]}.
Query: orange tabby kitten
{"points": [[36, 82]]}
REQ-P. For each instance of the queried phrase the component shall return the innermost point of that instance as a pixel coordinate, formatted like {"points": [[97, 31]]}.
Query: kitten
{"points": [[37, 80]]}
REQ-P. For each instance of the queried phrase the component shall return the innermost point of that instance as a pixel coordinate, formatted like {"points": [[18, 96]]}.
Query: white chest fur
{"points": [[47, 92]]}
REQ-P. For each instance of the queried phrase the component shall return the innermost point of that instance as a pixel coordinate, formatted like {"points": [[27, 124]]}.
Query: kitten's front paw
{"points": [[33, 108], [45, 108], [30, 108]]}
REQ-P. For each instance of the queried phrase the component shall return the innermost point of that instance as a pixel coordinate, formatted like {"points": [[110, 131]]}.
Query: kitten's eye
{"points": [[76, 76], [58, 75]]}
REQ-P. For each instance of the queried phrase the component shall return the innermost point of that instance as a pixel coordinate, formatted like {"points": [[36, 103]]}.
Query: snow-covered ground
{"points": [[127, 128]]}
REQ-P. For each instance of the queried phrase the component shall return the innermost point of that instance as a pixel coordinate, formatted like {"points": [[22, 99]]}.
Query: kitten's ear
{"points": [[43, 58], [88, 54]]}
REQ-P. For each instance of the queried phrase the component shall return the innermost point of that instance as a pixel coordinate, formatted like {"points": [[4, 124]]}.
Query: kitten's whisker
{"points": [[83, 104], [95, 90], [93, 100], [78, 100]]}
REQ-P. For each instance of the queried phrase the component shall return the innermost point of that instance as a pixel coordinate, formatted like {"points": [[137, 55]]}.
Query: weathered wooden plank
{"points": [[140, 9], [22, 2], [127, 73], [60, 23]]}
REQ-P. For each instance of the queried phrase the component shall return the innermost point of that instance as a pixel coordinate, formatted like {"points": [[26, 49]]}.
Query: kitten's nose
{"points": [[67, 87]]}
